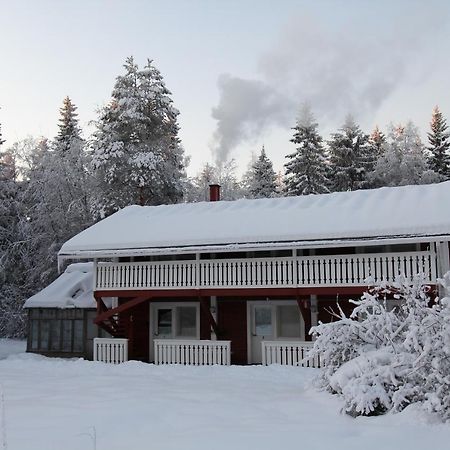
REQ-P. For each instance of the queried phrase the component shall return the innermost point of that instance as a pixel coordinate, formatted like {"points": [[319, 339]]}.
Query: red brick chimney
{"points": [[214, 192]]}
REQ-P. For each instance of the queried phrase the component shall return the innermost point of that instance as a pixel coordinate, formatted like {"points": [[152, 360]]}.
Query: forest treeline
{"points": [[51, 189]]}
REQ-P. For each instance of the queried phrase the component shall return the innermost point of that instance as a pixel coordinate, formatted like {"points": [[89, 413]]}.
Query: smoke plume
{"points": [[337, 71]]}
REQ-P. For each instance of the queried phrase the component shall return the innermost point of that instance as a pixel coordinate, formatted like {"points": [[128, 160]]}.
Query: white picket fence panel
{"points": [[288, 353], [112, 351], [192, 352], [301, 271]]}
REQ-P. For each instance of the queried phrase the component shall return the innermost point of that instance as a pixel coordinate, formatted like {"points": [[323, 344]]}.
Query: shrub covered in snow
{"points": [[383, 358]]}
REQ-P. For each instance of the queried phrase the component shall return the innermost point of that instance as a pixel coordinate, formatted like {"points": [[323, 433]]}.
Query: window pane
{"points": [[187, 321], [164, 322], [55, 335], [78, 336], [66, 336], [34, 334], [92, 329], [288, 321], [45, 334], [263, 320]]}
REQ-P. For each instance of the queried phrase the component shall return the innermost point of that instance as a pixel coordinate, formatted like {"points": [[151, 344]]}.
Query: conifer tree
{"points": [[261, 178], [136, 151], [349, 157], [69, 129], [306, 169], [377, 141], [439, 140]]}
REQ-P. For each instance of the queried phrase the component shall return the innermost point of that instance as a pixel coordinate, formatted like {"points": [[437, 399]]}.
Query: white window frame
{"points": [[154, 306]]}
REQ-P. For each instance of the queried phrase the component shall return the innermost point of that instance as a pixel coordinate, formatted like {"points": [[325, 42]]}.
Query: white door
{"points": [[273, 321], [261, 328], [173, 321]]}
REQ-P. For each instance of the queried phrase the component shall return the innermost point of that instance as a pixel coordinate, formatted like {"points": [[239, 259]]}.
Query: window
{"points": [[164, 322], [288, 321], [57, 330], [263, 321], [187, 321]]}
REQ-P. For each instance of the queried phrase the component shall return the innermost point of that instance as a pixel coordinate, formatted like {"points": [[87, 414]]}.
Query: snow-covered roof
{"points": [[72, 289], [365, 214]]}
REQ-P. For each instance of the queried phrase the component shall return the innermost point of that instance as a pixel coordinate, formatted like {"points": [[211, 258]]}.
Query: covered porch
{"points": [[256, 327]]}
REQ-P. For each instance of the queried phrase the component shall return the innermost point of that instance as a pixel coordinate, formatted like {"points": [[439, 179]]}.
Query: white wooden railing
{"points": [[109, 350], [292, 353], [196, 353], [302, 271]]}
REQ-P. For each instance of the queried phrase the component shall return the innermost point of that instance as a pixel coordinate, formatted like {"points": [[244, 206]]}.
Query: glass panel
{"points": [[92, 329], [164, 322], [45, 334], [48, 313], [263, 320], [34, 334], [56, 335], [288, 321], [66, 336], [78, 336], [187, 321]]}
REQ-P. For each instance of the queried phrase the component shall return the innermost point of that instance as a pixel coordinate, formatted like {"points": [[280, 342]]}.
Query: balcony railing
{"points": [[301, 271]]}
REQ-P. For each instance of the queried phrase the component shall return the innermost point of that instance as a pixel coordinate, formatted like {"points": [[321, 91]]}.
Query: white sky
{"points": [[53, 48]]}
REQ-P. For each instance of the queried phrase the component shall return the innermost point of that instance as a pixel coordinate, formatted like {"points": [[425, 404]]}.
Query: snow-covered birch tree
{"points": [[404, 161], [392, 351], [306, 169], [137, 156]]}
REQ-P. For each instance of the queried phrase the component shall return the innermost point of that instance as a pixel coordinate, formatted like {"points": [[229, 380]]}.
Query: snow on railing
{"points": [[301, 271], [192, 352], [292, 353], [112, 351]]}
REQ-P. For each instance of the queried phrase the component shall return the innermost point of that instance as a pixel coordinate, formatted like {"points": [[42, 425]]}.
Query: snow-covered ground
{"points": [[54, 403], [11, 346]]}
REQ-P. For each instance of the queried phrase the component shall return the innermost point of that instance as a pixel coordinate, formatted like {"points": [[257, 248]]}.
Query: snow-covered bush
{"points": [[381, 358]]}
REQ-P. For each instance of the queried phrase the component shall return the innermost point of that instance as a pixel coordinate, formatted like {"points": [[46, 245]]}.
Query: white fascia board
{"points": [[292, 245]]}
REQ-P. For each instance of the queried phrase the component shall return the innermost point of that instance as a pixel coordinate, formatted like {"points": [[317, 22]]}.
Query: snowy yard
{"points": [[54, 403]]}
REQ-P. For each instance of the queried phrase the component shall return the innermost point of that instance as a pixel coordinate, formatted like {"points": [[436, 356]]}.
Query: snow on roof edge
{"points": [[364, 214]]}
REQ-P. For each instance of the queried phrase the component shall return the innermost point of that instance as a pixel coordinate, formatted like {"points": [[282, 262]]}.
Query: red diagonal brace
{"points": [[123, 307], [208, 313]]}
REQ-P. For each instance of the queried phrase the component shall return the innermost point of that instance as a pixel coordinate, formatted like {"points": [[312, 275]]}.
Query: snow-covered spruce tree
{"points": [[439, 145], [384, 358], [376, 146], [404, 161], [350, 157], [260, 180], [306, 169], [136, 153]]}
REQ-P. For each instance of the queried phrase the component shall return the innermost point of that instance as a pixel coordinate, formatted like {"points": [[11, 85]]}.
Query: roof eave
{"points": [[251, 246]]}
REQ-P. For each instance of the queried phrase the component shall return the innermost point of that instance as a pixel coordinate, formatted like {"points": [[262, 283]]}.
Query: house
{"points": [[246, 279]]}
